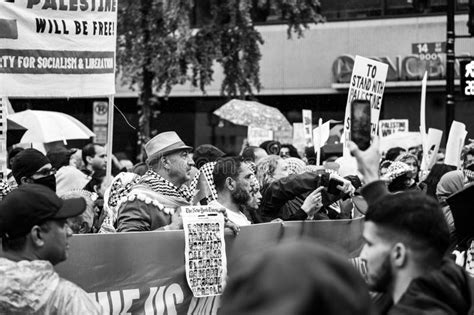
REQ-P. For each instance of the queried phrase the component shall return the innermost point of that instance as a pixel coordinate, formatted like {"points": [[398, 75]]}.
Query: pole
{"points": [[450, 59], [110, 133]]}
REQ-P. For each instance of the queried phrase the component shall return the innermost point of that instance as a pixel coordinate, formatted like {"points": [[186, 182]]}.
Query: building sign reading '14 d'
{"points": [[57, 48]]}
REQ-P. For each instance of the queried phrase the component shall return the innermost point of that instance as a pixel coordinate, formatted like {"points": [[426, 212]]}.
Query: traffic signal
{"points": [[470, 21]]}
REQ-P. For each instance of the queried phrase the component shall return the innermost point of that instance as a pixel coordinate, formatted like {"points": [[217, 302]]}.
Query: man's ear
{"points": [[36, 236], [230, 183], [165, 162], [399, 255], [89, 159], [25, 180]]}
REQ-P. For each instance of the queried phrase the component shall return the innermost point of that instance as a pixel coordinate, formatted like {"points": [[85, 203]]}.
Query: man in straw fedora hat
{"points": [[154, 201]]}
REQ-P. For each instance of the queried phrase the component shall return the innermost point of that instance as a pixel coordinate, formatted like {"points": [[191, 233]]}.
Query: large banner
{"points": [[51, 48], [144, 272]]}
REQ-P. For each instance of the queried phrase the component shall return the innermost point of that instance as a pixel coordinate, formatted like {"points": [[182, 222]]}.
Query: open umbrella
{"points": [[47, 126], [248, 113], [14, 132]]}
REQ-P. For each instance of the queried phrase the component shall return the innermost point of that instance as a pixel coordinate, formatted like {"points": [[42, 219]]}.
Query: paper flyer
{"points": [[205, 255]]}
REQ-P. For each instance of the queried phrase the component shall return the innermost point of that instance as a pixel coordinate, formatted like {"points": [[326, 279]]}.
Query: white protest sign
{"points": [[457, 135], [298, 136], [433, 141], [391, 126], [57, 48], [257, 135], [404, 140], [308, 127], [3, 138], [367, 83], [205, 256], [283, 136], [423, 112], [321, 135]]}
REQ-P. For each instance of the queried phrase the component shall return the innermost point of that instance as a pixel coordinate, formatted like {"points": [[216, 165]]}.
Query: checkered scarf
{"points": [[203, 183], [165, 187], [4, 188], [121, 186]]}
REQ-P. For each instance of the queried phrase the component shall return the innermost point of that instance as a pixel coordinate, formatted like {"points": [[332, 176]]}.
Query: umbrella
{"points": [[248, 113], [14, 132], [47, 126]]}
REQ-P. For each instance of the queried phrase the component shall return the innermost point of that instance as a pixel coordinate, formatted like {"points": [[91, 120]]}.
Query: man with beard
{"points": [[406, 240], [233, 180], [155, 200], [33, 167]]}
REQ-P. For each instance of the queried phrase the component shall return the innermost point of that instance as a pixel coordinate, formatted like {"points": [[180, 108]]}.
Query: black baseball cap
{"points": [[33, 204]]}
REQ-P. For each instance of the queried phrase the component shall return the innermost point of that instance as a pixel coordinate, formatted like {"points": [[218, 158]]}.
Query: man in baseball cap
{"points": [[35, 234]]}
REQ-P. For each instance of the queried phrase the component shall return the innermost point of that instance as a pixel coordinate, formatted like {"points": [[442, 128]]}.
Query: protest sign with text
{"points": [[205, 258], [57, 48], [257, 136], [308, 127], [391, 126], [367, 83]]}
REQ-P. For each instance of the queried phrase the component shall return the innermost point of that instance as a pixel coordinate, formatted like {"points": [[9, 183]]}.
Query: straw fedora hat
{"points": [[163, 144]]}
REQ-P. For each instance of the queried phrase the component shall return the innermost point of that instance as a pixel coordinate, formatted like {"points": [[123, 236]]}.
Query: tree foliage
{"points": [[158, 47]]}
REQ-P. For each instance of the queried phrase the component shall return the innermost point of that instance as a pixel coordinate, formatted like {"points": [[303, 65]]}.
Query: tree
{"points": [[158, 47]]}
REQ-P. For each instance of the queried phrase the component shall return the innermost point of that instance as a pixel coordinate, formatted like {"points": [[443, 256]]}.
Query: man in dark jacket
{"points": [[406, 242]]}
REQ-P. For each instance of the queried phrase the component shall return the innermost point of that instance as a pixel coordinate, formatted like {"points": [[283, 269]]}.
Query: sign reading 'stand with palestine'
{"points": [[367, 83], [56, 48]]}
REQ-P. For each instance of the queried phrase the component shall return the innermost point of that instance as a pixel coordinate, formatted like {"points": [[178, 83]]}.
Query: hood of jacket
{"points": [[446, 290], [26, 286]]}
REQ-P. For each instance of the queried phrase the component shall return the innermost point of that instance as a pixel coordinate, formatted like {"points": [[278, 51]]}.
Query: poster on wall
{"points": [[205, 256], [367, 83], [57, 48]]}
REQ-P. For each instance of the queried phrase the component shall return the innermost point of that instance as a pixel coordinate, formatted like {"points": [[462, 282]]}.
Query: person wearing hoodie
{"points": [[406, 242], [35, 234]]}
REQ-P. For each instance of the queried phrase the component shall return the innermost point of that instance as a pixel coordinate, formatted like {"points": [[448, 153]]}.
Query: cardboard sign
{"points": [[257, 135], [391, 126], [57, 48], [457, 135], [205, 258], [308, 127], [367, 83]]}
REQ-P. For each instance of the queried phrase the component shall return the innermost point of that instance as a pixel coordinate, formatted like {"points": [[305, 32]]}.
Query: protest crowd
{"points": [[417, 259]]}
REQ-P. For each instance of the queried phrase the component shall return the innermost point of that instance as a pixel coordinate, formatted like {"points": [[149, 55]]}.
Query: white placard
{"points": [[367, 83], [457, 135], [321, 135], [423, 113], [308, 127], [57, 48], [257, 135], [205, 255], [433, 141], [391, 126]]}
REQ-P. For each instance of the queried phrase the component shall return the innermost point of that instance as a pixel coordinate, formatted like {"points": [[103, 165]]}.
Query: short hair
{"points": [[393, 153], [88, 150], [224, 168], [249, 153], [206, 153], [415, 219], [266, 168], [19, 243]]}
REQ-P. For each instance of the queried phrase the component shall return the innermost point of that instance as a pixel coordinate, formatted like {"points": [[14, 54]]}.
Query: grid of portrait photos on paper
{"points": [[205, 259]]}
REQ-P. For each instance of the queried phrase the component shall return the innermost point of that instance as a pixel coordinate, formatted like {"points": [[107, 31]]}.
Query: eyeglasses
{"points": [[46, 172]]}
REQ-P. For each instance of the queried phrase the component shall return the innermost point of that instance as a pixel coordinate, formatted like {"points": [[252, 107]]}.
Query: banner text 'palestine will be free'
{"points": [[57, 48]]}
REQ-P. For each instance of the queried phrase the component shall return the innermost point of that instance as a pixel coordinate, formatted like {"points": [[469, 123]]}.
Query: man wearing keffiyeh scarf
{"points": [[154, 201]]}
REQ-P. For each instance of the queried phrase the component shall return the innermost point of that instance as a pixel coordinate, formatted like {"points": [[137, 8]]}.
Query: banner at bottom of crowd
{"points": [[144, 272]]}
